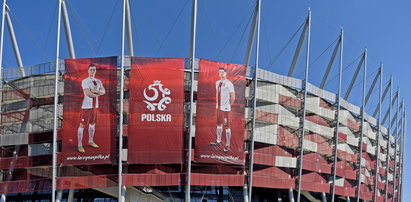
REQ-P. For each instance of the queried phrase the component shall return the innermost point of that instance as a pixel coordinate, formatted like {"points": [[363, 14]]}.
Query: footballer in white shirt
{"points": [[92, 89], [225, 97]]}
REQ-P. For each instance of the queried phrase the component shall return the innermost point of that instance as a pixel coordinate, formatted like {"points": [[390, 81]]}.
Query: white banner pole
{"points": [[55, 122]]}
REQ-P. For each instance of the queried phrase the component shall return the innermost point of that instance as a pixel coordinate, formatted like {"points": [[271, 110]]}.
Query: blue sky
{"points": [[161, 29]]}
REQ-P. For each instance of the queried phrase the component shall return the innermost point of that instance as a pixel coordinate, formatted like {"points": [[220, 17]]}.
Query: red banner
{"points": [[156, 111], [220, 113], [89, 117]]}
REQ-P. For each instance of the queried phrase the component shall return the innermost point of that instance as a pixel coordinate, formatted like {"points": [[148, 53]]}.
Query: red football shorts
{"points": [[88, 116], [223, 118]]}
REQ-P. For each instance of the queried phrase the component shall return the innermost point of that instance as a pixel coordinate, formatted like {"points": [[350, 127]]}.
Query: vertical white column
{"points": [[338, 97], [377, 150], [251, 36], [387, 167], [67, 30], [129, 31], [291, 195], [2, 41], [121, 188], [14, 43], [404, 134], [395, 145], [400, 137], [362, 126], [1, 48], [257, 52], [3, 196], [245, 192], [55, 120], [190, 121], [59, 195], [307, 65], [247, 58], [70, 195]]}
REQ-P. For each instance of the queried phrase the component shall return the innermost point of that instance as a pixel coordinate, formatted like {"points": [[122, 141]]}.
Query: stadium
{"points": [[279, 138]]}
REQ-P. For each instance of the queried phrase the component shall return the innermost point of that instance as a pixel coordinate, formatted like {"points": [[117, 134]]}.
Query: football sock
{"points": [[228, 136], [80, 137], [219, 133], [91, 130]]}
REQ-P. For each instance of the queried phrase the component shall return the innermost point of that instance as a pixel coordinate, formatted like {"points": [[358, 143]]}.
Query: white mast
{"points": [[121, 188], [190, 122], [55, 122]]}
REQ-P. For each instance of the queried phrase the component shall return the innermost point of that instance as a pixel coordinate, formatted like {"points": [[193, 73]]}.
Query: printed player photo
{"points": [[92, 89], [225, 97]]}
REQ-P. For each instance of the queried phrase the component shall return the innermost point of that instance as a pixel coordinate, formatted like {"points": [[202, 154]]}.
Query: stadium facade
{"points": [[290, 140]]}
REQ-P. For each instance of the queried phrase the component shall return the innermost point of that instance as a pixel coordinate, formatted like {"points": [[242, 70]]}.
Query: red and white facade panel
{"points": [[277, 142]]}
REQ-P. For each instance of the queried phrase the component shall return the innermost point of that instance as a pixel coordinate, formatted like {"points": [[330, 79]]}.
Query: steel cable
{"points": [[171, 28]]}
